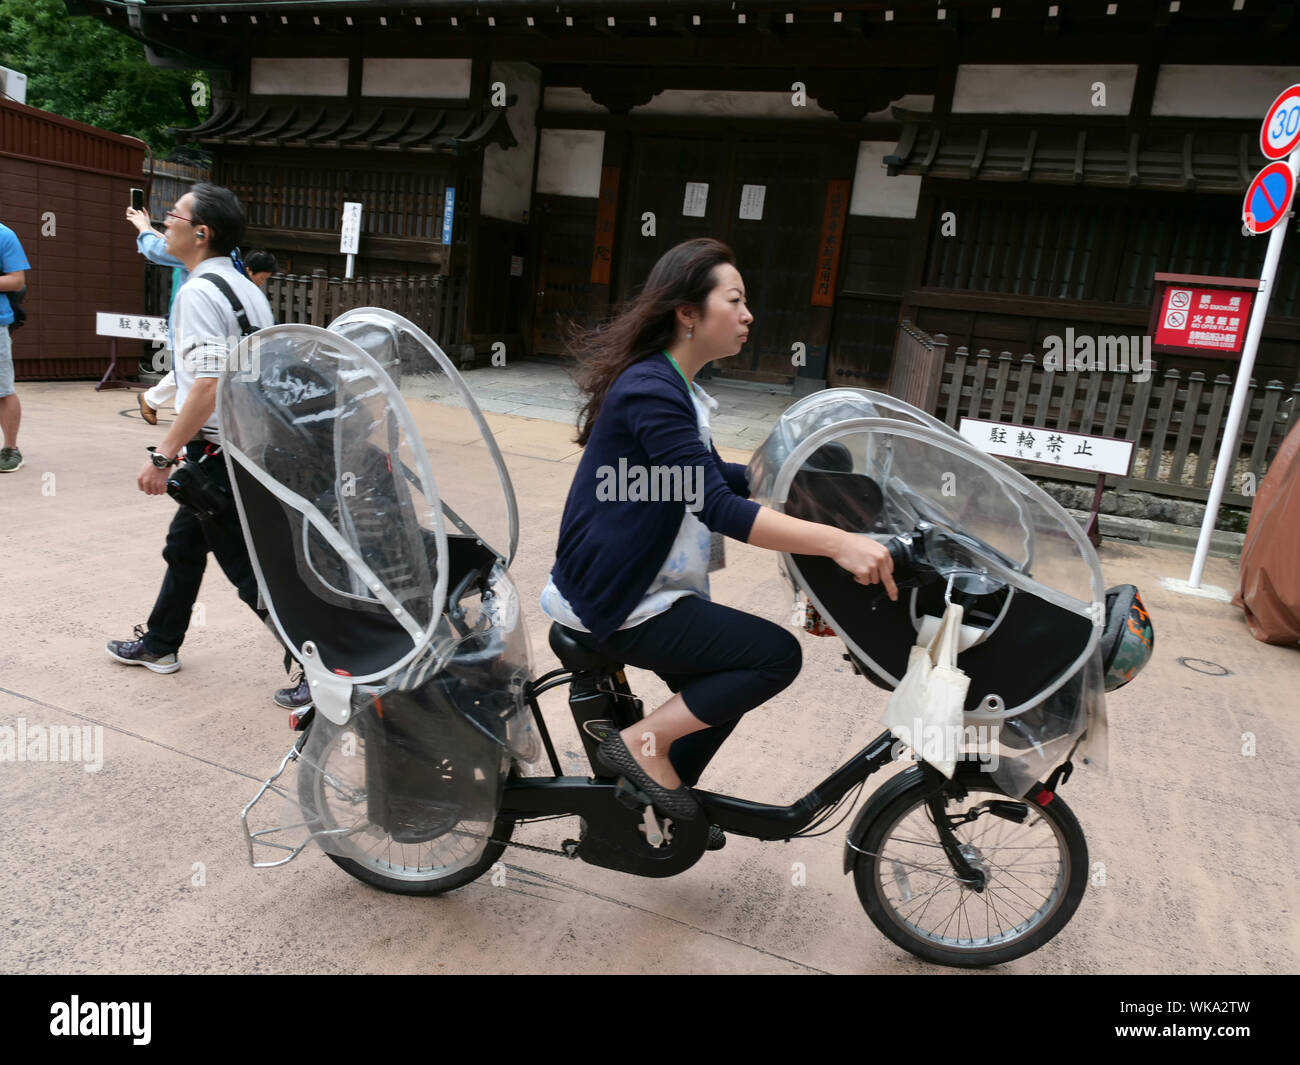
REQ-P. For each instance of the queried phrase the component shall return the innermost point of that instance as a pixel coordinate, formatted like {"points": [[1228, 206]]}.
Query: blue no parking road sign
{"points": [[1269, 198]]}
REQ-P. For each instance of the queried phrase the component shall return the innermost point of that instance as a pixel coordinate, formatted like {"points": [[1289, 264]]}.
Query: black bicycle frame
{"points": [[548, 796]]}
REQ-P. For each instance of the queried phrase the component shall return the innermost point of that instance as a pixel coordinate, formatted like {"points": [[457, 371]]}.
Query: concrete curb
{"points": [[1162, 534]]}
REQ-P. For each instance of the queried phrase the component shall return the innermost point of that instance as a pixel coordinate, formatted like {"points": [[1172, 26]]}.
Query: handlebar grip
{"points": [[903, 553]]}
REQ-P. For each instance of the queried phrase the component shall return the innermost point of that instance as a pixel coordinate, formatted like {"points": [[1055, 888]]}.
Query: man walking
{"points": [[202, 231], [13, 278]]}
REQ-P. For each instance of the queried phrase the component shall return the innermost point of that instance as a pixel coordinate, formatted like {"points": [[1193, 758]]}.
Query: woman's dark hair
{"points": [[221, 212], [682, 277], [259, 262]]}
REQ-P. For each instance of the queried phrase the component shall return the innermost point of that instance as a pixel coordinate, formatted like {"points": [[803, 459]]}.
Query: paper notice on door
{"points": [[751, 201], [697, 198]]}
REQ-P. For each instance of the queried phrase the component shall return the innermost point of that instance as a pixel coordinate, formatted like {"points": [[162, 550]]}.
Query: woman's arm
{"points": [[736, 474], [868, 561]]}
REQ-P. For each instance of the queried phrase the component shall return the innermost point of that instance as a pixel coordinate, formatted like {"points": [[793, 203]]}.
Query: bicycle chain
{"points": [[530, 847]]}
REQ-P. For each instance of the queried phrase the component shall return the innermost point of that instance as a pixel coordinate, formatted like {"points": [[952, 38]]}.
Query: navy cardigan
{"points": [[610, 550]]}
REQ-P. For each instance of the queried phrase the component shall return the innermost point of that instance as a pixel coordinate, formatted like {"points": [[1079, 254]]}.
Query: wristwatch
{"points": [[160, 460]]}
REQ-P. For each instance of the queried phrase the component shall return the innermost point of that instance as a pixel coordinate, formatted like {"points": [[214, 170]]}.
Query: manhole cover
{"points": [[1201, 665]]}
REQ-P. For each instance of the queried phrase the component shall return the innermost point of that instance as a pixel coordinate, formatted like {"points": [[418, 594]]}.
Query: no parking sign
{"points": [[1269, 197]]}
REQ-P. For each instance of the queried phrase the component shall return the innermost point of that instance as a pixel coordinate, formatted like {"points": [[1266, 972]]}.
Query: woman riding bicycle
{"points": [[631, 567]]}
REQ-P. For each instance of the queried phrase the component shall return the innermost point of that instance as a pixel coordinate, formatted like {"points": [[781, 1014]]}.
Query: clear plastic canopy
{"points": [[475, 486], [336, 495], [1027, 576], [371, 576]]}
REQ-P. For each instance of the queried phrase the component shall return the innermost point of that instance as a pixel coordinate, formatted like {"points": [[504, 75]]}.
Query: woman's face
{"points": [[724, 328]]}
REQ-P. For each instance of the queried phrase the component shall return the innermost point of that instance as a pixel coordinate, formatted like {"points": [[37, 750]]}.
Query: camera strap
{"points": [[241, 316]]}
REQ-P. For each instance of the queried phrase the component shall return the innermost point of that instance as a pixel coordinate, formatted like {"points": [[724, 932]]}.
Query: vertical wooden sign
{"points": [[832, 237], [603, 252]]}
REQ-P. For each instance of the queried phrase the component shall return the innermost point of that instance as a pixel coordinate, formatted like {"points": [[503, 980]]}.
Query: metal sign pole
{"points": [[1228, 449]]}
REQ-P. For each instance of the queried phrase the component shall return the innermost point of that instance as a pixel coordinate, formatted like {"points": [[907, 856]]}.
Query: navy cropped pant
{"points": [[723, 661]]}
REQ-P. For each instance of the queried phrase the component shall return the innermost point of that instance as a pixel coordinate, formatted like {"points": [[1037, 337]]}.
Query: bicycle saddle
{"points": [[578, 656]]}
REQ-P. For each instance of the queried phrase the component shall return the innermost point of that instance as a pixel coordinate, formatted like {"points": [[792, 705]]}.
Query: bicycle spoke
{"points": [[1023, 865]]}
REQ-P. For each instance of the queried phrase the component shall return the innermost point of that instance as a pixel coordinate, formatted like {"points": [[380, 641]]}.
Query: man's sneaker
{"points": [[10, 459], [295, 697], [147, 412], [133, 653]]}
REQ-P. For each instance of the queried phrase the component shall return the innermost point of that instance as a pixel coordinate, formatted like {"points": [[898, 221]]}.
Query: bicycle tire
{"points": [[891, 856], [396, 877]]}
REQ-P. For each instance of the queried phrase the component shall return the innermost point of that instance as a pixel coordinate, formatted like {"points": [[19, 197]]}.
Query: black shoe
{"points": [[296, 696], [676, 802], [133, 653], [717, 839]]}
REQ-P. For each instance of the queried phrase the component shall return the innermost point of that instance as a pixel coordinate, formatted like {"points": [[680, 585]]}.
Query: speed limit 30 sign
{"points": [[1280, 133]]}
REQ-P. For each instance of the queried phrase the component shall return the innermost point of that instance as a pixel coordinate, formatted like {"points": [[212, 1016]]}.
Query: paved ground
{"points": [[542, 389], [141, 867]]}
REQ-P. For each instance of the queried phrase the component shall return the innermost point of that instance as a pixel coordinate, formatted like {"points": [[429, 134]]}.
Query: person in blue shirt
{"points": [[13, 278], [153, 246], [630, 578]]}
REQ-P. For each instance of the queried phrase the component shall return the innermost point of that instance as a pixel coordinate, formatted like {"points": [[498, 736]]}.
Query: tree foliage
{"points": [[84, 70]]}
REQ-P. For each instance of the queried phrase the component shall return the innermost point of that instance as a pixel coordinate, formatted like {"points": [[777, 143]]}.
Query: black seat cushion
{"points": [[578, 656]]}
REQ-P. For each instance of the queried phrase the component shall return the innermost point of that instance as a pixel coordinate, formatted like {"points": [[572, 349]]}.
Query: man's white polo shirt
{"points": [[204, 328]]}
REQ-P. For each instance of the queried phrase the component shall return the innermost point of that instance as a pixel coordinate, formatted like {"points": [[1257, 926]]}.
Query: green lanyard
{"points": [[689, 390]]}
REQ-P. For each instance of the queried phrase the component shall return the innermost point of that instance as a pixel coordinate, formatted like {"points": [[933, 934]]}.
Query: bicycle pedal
{"points": [[631, 796], [655, 834]]}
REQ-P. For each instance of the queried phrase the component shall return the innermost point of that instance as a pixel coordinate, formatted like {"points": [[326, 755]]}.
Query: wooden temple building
{"points": [[996, 172]]}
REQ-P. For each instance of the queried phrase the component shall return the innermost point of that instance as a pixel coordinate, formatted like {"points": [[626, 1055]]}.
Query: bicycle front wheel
{"points": [[1034, 860]]}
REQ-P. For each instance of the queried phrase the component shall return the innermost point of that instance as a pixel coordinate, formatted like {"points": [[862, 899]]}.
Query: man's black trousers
{"points": [[188, 542]]}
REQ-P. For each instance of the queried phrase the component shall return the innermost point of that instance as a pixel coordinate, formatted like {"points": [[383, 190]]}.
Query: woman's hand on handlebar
{"points": [[868, 561]]}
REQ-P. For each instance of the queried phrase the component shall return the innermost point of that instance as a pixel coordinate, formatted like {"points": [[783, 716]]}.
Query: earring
{"points": [[690, 333]]}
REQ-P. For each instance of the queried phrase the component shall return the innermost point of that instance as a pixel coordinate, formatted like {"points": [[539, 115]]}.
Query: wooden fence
{"points": [[1176, 420], [917, 366], [432, 303]]}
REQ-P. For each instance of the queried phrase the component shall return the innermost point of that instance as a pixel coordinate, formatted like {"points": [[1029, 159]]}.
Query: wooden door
{"points": [[661, 168], [563, 230], [776, 253]]}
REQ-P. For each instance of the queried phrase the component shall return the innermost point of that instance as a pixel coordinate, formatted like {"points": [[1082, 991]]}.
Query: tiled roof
{"points": [[295, 123], [1200, 159]]}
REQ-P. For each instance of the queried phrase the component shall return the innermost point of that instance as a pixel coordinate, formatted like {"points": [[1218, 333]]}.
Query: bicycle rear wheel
{"points": [[1035, 871], [333, 796]]}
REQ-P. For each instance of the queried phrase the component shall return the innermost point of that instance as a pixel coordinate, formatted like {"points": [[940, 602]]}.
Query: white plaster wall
{"points": [[732, 104], [919, 103], [569, 162], [1220, 92], [508, 172], [763, 104], [560, 98], [445, 79], [875, 192], [298, 77], [1020, 89]]}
